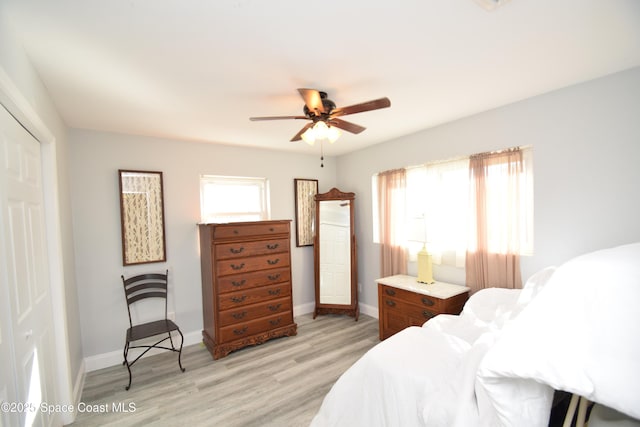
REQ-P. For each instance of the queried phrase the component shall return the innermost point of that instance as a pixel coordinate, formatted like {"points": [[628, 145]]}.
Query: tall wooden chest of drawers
{"points": [[246, 284]]}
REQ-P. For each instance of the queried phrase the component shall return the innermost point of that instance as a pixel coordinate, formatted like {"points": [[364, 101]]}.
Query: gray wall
{"points": [[586, 143], [95, 160]]}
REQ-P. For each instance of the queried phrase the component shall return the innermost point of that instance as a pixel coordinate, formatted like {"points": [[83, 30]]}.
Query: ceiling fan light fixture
{"points": [[333, 133], [309, 136], [321, 131]]}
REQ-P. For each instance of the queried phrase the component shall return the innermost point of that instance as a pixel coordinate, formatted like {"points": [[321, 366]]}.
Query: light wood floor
{"points": [[279, 383]]}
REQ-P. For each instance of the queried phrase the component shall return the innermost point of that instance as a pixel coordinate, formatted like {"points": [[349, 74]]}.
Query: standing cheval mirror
{"points": [[336, 270]]}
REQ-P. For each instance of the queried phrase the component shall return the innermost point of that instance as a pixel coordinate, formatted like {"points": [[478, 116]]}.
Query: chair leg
{"points": [[171, 341], [180, 351], [126, 353], [126, 362]]}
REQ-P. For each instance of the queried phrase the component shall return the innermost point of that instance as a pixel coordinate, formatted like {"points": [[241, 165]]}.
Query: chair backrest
{"points": [[143, 286]]}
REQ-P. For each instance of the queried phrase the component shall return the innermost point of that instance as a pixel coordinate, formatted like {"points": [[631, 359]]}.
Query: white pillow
{"points": [[581, 334], [489, 303], [531, 289]]}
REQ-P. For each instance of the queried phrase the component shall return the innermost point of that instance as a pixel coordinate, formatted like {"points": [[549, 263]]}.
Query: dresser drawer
{"points": [[252, 296], [254, 311], [243, 265], [246, 329], [243, 249], [223, 231], [426, 301], [254, 279], [416, 314]]}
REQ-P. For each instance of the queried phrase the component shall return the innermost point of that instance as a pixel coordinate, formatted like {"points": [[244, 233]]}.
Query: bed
{"points": [[575, 328]]}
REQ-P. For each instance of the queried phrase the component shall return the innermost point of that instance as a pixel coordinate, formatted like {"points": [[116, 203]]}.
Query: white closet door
{"points": [[26, 347]]}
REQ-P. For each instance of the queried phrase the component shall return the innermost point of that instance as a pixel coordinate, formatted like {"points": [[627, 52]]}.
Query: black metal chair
{"points": [[140, 287]]}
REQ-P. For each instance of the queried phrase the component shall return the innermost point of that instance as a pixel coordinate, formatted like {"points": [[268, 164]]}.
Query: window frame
{"points": [[208, 215]]}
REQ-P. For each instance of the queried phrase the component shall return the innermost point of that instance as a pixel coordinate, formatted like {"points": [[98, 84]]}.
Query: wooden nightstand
{"points": [[404, 302]]}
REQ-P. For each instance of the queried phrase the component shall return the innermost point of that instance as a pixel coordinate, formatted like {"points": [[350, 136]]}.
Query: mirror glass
{"points": [[335, 252], [142, 217]]}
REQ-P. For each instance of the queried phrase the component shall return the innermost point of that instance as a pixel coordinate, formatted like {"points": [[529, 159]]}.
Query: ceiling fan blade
{"points": [[364, 106], [256, 119], [298, 136], [348, 126], [312, 100]]}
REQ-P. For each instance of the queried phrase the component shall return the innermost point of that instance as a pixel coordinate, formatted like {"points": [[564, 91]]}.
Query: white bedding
{"points": [[581, 334], [500, 360]]}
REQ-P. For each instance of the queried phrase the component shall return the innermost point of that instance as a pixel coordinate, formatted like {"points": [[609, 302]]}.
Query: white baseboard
{"points": [[369, 310], [299, 310], [105, 360]]}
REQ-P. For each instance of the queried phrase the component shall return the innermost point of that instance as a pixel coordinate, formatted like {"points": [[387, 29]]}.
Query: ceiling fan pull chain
{"points": [[321, 154]]}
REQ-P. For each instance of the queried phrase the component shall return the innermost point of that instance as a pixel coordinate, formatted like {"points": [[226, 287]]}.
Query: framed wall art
{"points": [[142, 217], [305, 191]]}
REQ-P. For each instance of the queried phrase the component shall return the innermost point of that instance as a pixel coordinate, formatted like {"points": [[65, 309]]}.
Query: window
{"points": [[440, 208], [438, 196], [231, 199]]}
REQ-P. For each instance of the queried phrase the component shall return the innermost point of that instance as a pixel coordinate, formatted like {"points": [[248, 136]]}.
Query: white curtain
{"points": [[501, 220], [391, 198], [439, 193]]}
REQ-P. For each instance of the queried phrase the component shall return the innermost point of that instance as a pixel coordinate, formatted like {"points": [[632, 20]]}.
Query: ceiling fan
{"points": [[323, 114]]}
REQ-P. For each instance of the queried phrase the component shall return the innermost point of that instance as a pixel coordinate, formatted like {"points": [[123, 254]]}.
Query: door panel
{"points": [[24, 278]]}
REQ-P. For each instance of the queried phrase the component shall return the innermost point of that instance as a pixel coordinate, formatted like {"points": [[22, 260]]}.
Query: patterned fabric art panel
{"points": [[143, 221]]}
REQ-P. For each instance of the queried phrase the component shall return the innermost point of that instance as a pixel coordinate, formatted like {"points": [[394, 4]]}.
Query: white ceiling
{"points": [[198, 69]]}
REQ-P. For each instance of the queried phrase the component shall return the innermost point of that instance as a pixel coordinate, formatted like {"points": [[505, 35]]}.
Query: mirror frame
{"points": [[349, 309], [305, 191], [142, 244]]}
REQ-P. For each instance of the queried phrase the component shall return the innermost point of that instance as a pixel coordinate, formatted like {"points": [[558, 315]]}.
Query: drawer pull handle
{"points": [[274, 276], [274, 246], [391, 303], [240, 283], [275, 322], [240, 331], [236, 251], [238, 299], [274, 307], [427, 314], [239, 316], [427, 302], [273, 261], [272, 229], [274, 291], [237, 267], [390, 292], [236, 232]]}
